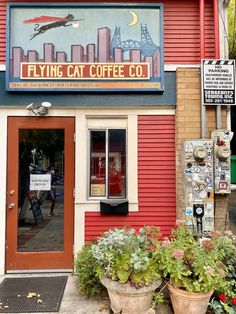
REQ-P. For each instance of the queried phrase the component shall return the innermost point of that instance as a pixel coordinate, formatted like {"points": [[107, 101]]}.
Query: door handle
{"points": [[12, 205]]}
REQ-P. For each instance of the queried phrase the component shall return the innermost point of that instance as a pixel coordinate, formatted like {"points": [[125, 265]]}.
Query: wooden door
{"points": [[40, 206]]}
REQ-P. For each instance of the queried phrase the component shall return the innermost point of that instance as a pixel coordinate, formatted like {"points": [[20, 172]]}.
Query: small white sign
{"points": [[40, 182], [218, 82]]}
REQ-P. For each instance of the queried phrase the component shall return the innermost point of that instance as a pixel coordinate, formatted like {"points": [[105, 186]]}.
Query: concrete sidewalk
{"points": [[73, 302]]}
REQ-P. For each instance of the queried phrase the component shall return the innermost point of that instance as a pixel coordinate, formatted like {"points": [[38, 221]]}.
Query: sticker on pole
{"points": [[218, 82]]}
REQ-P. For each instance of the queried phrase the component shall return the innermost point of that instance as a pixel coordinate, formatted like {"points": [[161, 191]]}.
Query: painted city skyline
{"points": [[92, 53], [83, 31]]}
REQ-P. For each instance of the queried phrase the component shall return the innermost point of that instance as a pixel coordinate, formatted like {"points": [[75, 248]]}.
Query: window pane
{"points": [[117, 163], [97, 163]]}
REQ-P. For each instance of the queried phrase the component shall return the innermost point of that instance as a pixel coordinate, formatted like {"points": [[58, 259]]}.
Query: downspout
{"points": [[202, 56], [202, 29], [216, 30], [226, 56], [217, 56]]}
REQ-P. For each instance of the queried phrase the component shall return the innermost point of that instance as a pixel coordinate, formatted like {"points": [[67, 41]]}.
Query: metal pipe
{"points": [[218, 118], [203, 120], [228, 117], [216, 30], [202, 56], [217, 56], [202, 29]]}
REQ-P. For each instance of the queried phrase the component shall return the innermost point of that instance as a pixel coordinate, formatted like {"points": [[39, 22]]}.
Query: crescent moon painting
{"points": [[134, 20]]}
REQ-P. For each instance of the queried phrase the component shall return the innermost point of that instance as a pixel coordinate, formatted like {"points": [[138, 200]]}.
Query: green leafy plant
{"points": [[232, 29], [224, 298], [85, 272], [222, 305], [158, 298], [196, 265], [126, 256]]}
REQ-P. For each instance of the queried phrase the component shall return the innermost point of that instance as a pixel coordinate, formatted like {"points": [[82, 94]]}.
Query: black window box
{"points": [[114, 207]]}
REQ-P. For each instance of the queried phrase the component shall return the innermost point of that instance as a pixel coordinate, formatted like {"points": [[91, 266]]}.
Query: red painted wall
{"points": [[181, 29], [156, 181]]}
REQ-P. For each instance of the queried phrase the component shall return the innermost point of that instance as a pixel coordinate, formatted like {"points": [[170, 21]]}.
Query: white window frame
{"points": [[106, 197], [97, 121]]}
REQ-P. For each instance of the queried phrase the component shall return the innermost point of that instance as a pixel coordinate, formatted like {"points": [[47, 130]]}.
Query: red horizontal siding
{"points": [[156, 181], [181, 25], [181, 29], [2, 31]]}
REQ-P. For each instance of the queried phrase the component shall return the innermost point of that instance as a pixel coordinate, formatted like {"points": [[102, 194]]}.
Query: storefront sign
{"points": [[80, 71], [218, 82], [40, 182], [79, 47]]}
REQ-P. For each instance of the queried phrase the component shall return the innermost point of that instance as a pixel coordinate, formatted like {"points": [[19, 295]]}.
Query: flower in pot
{"points": [[127, 267], [193, 267], [222, 304]]}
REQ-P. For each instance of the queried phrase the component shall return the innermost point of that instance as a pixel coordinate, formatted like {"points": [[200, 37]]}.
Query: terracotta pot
{"points": [[189, 302], [127, 299]]}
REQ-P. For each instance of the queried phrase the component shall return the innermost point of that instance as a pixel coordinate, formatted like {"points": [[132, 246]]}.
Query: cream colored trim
{"points": [[108, 113], [68, 111], [2, 67], [98, 121], [132, 162], [79, 235], [94, 206], [173, 67], [3, 165], [107, 122]]}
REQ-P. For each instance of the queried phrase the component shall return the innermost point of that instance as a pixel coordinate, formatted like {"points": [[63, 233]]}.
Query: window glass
{"points": [[97, 163], [108, 163], [117, 158]]}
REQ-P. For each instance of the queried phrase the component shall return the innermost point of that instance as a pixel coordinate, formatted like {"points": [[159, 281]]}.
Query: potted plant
{"points": [[193, 268], [127, 267]]}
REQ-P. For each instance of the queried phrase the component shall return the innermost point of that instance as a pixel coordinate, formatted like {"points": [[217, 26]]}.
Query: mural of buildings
{"points": [[103, 44], [78, 54]]}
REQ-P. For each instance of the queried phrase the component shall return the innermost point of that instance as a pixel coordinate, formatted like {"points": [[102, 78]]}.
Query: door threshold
{"points": [[55, 272]]}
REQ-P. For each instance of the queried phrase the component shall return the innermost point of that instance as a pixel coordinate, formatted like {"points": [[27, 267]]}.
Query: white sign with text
{"points": [[40, 182], [218, 82]]}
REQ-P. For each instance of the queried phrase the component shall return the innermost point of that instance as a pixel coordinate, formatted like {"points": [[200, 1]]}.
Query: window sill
{"points": [[94, 205]]}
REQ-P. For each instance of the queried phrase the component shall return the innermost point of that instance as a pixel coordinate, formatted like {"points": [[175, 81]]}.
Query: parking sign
{"points": [[218, 82]]}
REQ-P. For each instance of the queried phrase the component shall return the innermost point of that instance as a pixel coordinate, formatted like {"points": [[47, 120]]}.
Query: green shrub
{"points": [[86, 276], [125, 255]]}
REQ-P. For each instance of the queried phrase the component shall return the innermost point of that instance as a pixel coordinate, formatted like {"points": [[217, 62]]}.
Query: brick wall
{"points": [[188, 126]]}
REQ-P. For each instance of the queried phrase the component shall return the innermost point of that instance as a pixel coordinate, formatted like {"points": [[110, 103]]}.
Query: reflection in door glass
{"points": [[41, 190]]}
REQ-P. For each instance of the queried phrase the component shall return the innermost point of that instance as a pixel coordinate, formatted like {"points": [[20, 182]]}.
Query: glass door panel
{"points": [[41, 190]]}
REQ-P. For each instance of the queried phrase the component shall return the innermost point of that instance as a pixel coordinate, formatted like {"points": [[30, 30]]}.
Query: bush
{"points": [[87, 278], [124, 255], [224, 298], [196, 265]]}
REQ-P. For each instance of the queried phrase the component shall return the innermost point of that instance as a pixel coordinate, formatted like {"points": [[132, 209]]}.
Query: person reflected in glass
{"points": [[52, 192]]}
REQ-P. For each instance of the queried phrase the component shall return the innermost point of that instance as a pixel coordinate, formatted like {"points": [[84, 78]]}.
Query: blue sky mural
{"points": [[83, 31]]}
